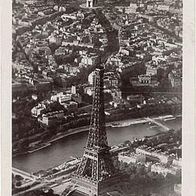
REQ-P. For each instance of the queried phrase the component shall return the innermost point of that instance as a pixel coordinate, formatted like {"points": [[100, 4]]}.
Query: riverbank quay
{"points": [[119, 123]]}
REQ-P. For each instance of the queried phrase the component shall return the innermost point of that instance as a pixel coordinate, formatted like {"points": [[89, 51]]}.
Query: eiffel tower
{"points": [[96, 172]]}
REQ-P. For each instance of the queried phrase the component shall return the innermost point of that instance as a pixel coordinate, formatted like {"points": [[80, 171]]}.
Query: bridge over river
{"points": [[24, 174], [158, 123]]}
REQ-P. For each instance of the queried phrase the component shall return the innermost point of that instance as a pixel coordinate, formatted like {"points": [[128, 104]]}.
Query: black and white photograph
{"points": [[97, 98]]}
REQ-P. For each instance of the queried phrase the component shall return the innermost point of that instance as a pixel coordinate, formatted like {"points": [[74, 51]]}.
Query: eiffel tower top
{"points": [[97, 138]]}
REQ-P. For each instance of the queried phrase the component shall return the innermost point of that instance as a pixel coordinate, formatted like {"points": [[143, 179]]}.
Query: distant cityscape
{"points": [[57, 47]]}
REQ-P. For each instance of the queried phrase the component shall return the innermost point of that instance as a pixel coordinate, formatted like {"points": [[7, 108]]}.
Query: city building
{"points": [[151, 70], [133, 7], [90, 59], [144, 80], [61, 97], [73, 90], [131, 158], [177, 162], [51, 118], [91, 3], [91, 77], [37, 110], [154, 155], [116, 96], [164, 170], [124, 51], [175, 80], [163, 7], [135, 99], [111, 80]]}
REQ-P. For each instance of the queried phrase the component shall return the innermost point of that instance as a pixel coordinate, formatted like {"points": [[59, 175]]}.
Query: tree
{"points": [[18, 183], [107, 97], [18, 177], [23, 144]]}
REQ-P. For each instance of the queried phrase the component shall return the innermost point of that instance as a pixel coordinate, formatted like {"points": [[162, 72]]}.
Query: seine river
{"points": [[73, 145]]}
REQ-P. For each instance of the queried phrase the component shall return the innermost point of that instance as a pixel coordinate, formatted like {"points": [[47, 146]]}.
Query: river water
{"points": [[62, 150]]}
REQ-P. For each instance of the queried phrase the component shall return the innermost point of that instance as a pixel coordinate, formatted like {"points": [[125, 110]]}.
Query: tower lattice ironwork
{"points": [[96, 169]]}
